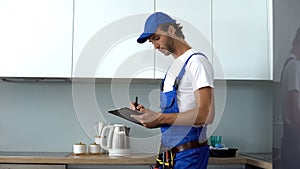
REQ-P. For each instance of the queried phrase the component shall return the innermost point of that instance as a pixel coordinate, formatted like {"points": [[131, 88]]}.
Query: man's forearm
{"points": [[188, 118]]}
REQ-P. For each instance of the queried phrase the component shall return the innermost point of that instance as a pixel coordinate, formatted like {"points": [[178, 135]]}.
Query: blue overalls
{"points": [[173, 135]]}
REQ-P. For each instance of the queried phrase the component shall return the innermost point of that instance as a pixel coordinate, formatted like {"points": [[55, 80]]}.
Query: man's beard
{"points": [[169, 47]]}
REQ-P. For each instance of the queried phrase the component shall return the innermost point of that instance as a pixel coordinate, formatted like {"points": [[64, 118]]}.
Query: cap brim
{"points": [[143, 38]]}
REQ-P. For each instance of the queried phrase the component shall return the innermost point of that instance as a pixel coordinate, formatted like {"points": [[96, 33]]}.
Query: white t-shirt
{"points": [[290, 81], [198, 73]]}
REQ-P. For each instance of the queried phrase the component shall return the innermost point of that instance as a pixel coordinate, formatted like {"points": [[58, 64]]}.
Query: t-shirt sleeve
{"points": [[201, 73]]}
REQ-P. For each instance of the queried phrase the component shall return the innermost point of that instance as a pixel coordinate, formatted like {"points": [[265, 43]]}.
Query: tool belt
{"points": [[165, 159]]}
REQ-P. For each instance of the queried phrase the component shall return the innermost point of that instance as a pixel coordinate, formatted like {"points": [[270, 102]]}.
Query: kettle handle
{"points": [[106, 145], [98, 127]]}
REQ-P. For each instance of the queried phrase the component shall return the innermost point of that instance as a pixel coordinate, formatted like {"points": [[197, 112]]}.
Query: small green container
{"points": [[215, 140]]}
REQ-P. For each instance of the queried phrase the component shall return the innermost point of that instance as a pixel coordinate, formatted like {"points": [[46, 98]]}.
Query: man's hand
{"points": [[138, 107], [149, 118]]}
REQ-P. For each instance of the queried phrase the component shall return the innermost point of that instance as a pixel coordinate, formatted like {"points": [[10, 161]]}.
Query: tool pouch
{"points": [[165, 160]]}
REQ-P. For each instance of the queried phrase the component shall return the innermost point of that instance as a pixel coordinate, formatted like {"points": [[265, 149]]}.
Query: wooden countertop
{"points": [[259, 163], [135, 159]]}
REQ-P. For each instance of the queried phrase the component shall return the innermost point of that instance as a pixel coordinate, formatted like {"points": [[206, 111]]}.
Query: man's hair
{"points": [[178, 28]]}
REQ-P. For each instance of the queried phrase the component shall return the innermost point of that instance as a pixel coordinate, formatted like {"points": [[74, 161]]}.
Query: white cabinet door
{"points": [[240, 39], [30, 166], [105, 34], [36, 38], [195, 17]]}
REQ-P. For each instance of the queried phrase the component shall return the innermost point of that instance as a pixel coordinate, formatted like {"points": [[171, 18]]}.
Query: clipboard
{"points": [[125, 113]]}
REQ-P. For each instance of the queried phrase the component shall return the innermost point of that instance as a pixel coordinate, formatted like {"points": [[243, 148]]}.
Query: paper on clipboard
{"points": [[125, 113]]}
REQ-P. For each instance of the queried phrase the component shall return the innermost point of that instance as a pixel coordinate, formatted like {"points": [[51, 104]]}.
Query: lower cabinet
{"points": [[210, 166], [232, 166], [97, 166], [226, 166], [31, 166], [108, 166], [248, 166]]}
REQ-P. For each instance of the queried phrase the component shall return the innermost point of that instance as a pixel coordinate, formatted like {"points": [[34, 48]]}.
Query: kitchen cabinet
{"points": [[40, 39], [105, 39], [226, 166], [136, 161], [195, 17], [234, 38], [31, 166], [81, 166], [241, 31], [36, 38], [210, 166]]}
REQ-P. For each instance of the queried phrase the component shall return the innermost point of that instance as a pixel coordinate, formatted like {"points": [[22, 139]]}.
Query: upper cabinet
{"points": [[96, 39], [105, 36], [36, 38], [241, 39], [195, 17]]}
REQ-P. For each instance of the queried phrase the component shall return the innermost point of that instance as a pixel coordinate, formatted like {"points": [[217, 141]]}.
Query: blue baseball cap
{"points": [[152, 23]]}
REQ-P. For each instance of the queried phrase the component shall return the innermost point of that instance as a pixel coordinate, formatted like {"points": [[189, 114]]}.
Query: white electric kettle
{"points": [[117, 142]]}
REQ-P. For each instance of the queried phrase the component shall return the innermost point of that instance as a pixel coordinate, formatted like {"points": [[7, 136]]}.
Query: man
{"points": [[290, 96], [187, 102]]}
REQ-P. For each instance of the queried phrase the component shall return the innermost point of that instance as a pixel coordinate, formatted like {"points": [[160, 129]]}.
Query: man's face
{"points": [[163, 42]]}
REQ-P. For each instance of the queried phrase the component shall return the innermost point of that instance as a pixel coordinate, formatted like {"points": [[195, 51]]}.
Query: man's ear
{"points": [[171, 31]]}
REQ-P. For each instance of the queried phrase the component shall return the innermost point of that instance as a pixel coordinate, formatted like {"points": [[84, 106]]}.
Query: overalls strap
{"points": [[182, 71]]}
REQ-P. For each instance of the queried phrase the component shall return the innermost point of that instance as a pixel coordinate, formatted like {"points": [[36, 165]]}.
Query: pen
{"points": [[136, 103]]}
